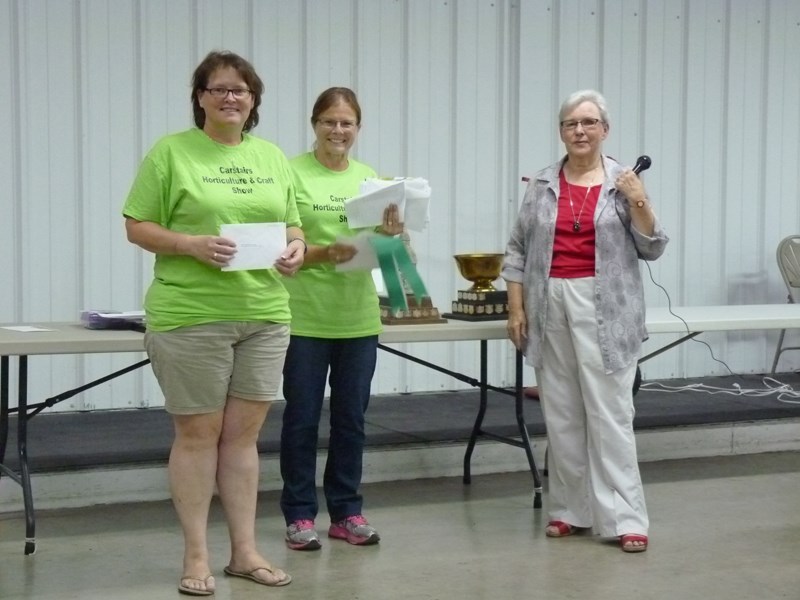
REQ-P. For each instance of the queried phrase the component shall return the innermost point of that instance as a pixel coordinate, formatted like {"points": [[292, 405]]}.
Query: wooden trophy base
{"points": [[480, 306], [418, 312]]}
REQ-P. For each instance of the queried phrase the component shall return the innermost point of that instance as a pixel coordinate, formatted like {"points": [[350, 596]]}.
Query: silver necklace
{"points": [[576, 221]]}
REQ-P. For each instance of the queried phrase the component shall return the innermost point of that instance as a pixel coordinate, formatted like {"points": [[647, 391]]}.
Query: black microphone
{"points": [[642, 164]]}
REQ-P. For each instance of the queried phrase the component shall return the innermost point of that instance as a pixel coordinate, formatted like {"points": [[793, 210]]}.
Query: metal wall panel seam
{"points": [[16, 141], [510, 177], [684, 183], [764, 147]]}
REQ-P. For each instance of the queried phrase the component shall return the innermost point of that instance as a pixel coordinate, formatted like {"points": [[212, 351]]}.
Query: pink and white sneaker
{"points": [[355, 530], [301, 535]]}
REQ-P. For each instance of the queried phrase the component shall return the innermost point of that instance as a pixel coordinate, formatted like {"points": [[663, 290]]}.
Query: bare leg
{"points": [[237, 480], [192, 470]]}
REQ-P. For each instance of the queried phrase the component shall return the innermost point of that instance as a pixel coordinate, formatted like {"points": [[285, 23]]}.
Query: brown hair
{"points": [[330, 97], [220, 59]]}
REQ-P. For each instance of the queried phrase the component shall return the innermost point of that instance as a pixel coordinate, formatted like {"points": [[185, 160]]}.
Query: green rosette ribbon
{"points": [[396, 266]]}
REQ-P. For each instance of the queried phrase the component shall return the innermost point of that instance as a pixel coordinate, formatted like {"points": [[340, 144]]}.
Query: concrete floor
{"points": [[725, 527]]}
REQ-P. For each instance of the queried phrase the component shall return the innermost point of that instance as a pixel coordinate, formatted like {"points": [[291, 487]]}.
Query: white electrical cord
{"points": [[785, 392]]}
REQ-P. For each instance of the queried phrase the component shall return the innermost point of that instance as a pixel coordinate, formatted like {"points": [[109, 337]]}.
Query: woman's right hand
{"points": [[517, 328], [340, 253], [212, 250]]}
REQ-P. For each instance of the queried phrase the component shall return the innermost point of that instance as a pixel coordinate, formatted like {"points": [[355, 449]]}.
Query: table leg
{"points": [[22, 448], [25, 412], [3, 408], [523, 431], [476, 428]]}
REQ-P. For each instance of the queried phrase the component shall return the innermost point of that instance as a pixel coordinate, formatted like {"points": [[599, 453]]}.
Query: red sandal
{"points": [[628, 540], [559, 529]]}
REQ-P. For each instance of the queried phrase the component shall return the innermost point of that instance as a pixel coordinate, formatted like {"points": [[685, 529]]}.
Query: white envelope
{"points": [[365, 257], [258, 245]]}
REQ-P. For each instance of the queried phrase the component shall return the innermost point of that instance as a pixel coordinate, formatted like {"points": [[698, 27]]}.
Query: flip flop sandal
{"points": [[251, 575], [626, 542], [190, 591]]}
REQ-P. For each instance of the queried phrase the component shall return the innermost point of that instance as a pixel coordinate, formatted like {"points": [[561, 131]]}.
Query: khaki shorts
{"points": [[199, 366]]}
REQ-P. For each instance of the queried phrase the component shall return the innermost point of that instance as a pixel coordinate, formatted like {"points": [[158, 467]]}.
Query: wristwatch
{"points": [[640, 204]]}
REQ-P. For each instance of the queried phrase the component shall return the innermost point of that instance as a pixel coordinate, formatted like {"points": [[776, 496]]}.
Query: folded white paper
{"points": [[366, 210], [126, 314], [258, 245], [417, 209], [411, 195]]}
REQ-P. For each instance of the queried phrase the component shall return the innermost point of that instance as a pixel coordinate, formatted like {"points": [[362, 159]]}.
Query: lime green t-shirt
{"points": [[192, 184], [326, 303]]}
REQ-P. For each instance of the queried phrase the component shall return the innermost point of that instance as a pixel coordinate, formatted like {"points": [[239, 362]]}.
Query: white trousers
{"points": [[593, 470]]}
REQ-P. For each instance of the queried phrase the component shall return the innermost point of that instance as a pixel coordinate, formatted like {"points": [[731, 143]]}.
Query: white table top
{"points": [[73, 338], [724, 318], [68, 338]]}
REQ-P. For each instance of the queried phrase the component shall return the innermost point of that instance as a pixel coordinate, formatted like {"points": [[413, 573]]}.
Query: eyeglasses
{"points": [[221, 92], [330, 124], [585, 123]]}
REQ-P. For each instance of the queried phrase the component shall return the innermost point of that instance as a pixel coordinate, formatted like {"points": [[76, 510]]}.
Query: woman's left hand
{"points": [[517, 329], [292, 258], [391, 221]]}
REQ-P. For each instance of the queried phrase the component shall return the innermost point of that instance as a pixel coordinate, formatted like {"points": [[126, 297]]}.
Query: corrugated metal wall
{"points": [[462, 92]]}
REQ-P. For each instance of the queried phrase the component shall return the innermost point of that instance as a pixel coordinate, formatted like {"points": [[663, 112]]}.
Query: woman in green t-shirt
{"points": [[216, 339], [334, 338]]}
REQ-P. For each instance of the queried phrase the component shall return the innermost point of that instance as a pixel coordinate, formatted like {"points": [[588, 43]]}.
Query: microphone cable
{"points": [[785, 392]]}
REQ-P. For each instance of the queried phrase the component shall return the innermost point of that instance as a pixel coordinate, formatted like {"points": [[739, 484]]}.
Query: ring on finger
{"points": [[215, 256]]}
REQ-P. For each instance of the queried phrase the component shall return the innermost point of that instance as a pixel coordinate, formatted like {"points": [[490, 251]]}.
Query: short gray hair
{"points": [[577, 98]]}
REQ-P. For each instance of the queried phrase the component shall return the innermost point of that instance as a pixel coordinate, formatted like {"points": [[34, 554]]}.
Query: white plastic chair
{"points": [[789, 265]]}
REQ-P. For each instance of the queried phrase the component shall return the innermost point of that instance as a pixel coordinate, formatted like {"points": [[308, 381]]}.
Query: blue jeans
{"points": [[352, 364]]}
